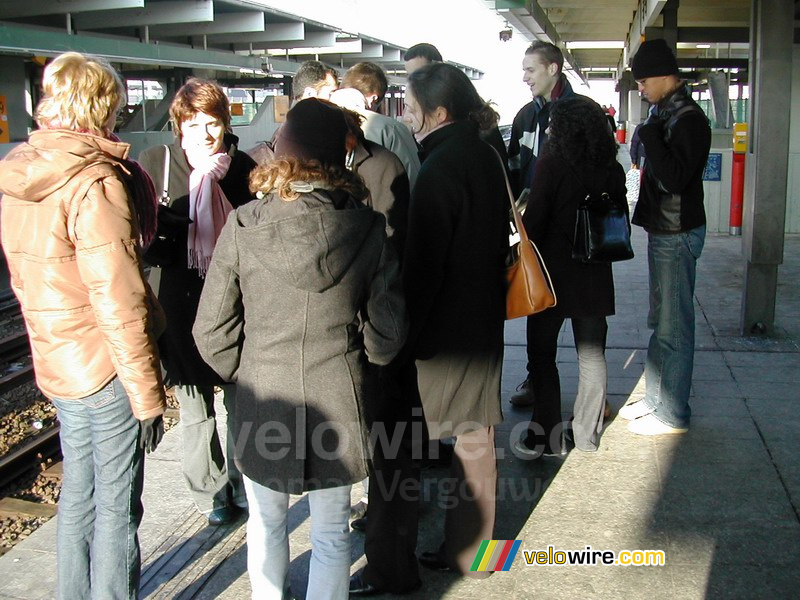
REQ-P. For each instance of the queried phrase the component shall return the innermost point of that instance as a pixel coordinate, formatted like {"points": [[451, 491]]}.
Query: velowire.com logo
{"points": [[495, 555]]}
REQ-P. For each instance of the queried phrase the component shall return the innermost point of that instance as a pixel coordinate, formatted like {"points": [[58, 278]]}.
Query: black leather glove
{"points": [[152, 430]]}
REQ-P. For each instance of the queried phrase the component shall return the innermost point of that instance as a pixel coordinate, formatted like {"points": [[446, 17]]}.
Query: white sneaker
{"points": [[650, 425], [634, 410]]}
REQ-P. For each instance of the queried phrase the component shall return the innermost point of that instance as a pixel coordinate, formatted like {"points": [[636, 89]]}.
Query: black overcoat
{"points": [[583, 290], [453, 275], [177, 286]]}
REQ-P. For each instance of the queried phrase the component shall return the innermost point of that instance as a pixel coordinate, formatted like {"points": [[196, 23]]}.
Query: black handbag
{"points": [[166, 245], [602, 230]]}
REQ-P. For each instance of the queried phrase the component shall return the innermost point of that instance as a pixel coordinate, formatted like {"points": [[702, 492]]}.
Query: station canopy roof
{"points": [[225, 35], [598, 37]]}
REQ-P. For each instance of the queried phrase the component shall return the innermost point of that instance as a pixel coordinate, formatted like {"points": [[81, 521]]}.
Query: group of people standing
{"points": [[349, 315]]}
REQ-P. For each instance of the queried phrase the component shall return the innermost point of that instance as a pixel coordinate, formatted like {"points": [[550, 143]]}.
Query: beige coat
{"points": [[71, 241]]}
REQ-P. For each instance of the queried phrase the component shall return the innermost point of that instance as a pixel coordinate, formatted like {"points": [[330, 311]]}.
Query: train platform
{"points": [[722, 501]]}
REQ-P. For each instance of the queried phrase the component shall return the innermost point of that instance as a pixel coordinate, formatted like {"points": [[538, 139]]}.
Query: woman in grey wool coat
{"points": [[303, 293]]}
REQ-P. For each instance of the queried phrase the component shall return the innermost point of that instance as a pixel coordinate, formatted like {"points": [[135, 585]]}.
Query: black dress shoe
{"points": [[432, 560], [359, 524], [359, 587], [222, 515]]}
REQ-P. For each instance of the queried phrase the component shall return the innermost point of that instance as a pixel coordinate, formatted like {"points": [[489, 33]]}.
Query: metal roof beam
{"points": [[518, 12], [315, 39], [710, 35], [225, 23], [154, 13], [16, 39], [713, 63], [645, 17], [339, 47], [274, 32], [389, 55], [13, 9]]}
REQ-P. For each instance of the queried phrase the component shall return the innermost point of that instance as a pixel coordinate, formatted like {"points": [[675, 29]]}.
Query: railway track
{"points": [[30, 467], [29, 487]]}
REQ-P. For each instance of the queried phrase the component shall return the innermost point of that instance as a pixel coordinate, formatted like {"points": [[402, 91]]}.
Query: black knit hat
{"points": [[314, 130], [654, 59]]}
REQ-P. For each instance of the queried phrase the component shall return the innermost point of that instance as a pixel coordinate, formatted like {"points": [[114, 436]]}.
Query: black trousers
{"points": [[589, 334], [394, 486]]}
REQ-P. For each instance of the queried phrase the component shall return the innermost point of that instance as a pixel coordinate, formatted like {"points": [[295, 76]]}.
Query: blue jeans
{"points": [[672, 261], [268, 542], [100, 507]]}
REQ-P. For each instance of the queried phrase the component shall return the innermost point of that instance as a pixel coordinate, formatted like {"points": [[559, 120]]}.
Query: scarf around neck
{"points": [[208, 206]]}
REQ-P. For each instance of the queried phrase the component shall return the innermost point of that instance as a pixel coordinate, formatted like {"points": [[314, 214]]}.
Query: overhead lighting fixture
{"points": [[703, 46], [595, 45]]}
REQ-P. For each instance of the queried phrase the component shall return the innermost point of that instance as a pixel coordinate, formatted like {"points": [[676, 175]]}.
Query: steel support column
{"points": [[771, 31]]}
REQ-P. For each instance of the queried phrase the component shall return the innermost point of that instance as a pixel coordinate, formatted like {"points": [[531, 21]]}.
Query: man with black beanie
{"points": [[676, 137]]}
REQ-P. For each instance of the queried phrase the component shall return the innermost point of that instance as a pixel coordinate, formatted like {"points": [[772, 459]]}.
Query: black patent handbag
{"points": [[602, 230]]}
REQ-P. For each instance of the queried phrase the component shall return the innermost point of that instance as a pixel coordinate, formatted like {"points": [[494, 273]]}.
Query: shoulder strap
{"points": [[164, 198]]}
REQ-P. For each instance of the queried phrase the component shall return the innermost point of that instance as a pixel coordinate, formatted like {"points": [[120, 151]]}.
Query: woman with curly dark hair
{"points": [[579, 158]]}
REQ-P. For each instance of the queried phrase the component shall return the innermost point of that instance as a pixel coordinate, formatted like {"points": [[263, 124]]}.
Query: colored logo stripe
{"points": [[487, 555], [512, 554], [495, 555], [479, 555]]}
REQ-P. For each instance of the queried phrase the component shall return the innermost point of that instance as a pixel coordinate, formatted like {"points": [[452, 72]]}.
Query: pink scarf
{"points": [[208, 206]]}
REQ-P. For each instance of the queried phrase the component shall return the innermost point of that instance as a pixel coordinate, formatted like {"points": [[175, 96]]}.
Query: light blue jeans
{"points": [[100, 508], [268, 542], [672, 259]]}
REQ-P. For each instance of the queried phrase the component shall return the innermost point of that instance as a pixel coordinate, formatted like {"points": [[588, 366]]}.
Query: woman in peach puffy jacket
{"points": [[71, 235]]}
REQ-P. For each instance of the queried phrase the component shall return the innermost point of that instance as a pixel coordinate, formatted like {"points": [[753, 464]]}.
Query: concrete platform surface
{"points": [[722, 501]]}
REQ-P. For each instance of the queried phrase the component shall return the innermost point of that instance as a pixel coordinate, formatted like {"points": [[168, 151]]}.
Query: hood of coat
{"points": [[51, 158], [308, 243]]}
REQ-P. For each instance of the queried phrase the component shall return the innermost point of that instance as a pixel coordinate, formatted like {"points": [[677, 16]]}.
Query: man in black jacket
{"points": [[677, 139], [542, 67]]}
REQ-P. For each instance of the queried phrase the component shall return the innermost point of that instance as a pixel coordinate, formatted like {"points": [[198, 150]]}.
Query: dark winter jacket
{"points": [[677, 139], [637, 151], [528, 135], [177, 286], [299, 296], [453, 276], [388, 186], [583, 290]]}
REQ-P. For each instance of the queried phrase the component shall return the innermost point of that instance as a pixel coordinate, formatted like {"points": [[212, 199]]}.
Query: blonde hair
{"points": [[81, 93], [196, 96], [279, 174]]}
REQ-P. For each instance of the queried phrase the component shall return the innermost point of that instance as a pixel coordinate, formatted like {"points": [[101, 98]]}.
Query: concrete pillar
{"points": [[13, 85], [625, 85], [718, 89], [669, 15], [771, 33]]}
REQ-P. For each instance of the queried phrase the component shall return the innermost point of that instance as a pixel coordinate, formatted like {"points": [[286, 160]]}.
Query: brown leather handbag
{"points": [[530, 289]]}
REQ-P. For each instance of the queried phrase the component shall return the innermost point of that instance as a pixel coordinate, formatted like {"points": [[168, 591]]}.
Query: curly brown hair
{"points": [[580, 134], [278, 175]]}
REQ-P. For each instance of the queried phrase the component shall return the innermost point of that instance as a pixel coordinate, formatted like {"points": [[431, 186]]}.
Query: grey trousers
{"points": [[212, 478]]}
